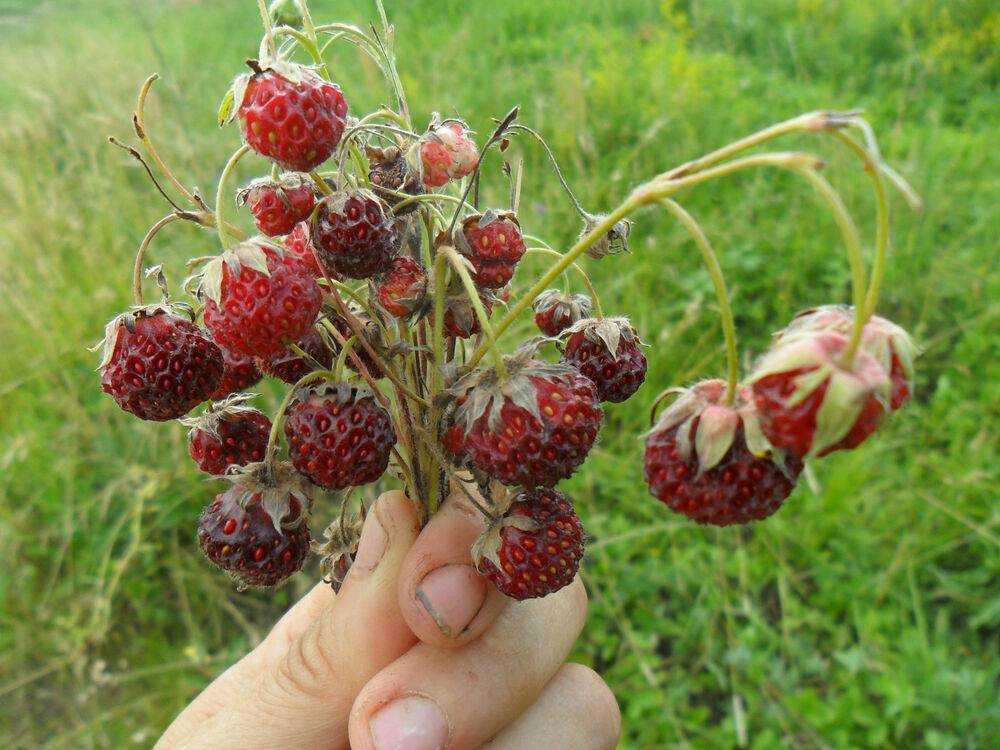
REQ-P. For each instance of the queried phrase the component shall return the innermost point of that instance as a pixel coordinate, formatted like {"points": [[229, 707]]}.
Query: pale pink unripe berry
{"points": [[448, 153]]}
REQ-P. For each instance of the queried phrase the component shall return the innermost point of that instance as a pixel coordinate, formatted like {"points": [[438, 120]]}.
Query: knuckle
{"points": [[598, 706], [305, 669]]}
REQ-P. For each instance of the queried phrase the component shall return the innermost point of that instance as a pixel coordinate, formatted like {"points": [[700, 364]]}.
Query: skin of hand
{"points": [[416, 652]]}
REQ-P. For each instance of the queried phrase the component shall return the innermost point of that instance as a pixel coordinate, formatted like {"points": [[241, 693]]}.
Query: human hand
{"points": [[417, 651]]}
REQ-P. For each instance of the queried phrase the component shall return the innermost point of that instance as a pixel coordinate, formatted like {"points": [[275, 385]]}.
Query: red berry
{"points": [[607, 351], [338, 436], [255, 313], [390, 173], [447, 153], [157, 365], [238, 533], [403, 288], [278, 205], [556, 311], [238, 374], [291, 367], [809, 404], [493, 244], [698, 461], [532, 430], [535, 549], [889, 344], [295, 119], [298, 245], [229, 435], [355, 235]]}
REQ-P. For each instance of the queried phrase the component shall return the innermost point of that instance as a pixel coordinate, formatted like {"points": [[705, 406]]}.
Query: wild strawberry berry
{"points": [[158, 365], [535, 548], [403, 288], [292, 367], [228, 434], [607, 351], [258, 300], [447, 153], [290, 115], [338, 436], [809, 403], [298, 246], [355, 235], [889, 344], [532, 429], [391, 174], [256, 531], [278, 205], [710, 462], [238, 374], [493, 244], [556, 311]]}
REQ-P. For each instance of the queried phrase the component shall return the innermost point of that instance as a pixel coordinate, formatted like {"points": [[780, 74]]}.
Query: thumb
{"points": [[300, 683]]}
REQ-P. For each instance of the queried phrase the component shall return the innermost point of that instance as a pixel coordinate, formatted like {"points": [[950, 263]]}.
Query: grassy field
{"points": [[865, 614]]}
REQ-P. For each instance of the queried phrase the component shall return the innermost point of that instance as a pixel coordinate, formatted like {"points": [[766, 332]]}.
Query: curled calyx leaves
{"points": [[219, 411], [250, 253], [275, 485]]}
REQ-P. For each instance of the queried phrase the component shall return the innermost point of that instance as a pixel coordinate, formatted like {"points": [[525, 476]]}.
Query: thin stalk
{"points": [[320, 183], [220, 192], [477, 306], [141, 254], [555, 165], [139, 123], [852, 243], [345, 351], [265, 19], [722, 295], [881, 222]]}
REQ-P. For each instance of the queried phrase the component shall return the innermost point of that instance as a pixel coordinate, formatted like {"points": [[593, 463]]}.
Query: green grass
{"points": [[865, 613]]}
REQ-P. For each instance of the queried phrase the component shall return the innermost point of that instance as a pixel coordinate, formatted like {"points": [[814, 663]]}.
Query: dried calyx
{"points": [[275, 485], [339, 548], [220, 411], [612, 242]]}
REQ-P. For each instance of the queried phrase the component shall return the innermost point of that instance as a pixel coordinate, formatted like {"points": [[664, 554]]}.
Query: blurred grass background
{"points": [[864, 614]]}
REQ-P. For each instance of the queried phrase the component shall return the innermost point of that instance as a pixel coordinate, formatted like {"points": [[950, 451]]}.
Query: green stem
{"points": [[140, 255], [852, 243], [722, 295], [477, 305], [881, 223], [265, 19], [139, 121], [647, 193], [345, 350], [320, 183], [220, 193]]}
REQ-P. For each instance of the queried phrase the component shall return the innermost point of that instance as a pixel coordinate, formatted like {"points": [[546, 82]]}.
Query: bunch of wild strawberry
{"points": [[378, 289]]}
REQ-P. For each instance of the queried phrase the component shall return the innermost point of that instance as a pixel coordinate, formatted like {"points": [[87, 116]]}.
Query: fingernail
{"points": [[452, 596], [373, 542], [411, 723]]}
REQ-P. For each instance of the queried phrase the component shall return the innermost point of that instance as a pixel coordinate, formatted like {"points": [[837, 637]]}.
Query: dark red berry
{"points": [[556, 311], [278, 205], [238, 374], [354, 234], [535, 549], [257, 314], [403, 288], [292, 367], [535, 432], [615, 363], [158, 366], [493, 244], [339, 436], [296, 120], [231, 437], [237, 534]]}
